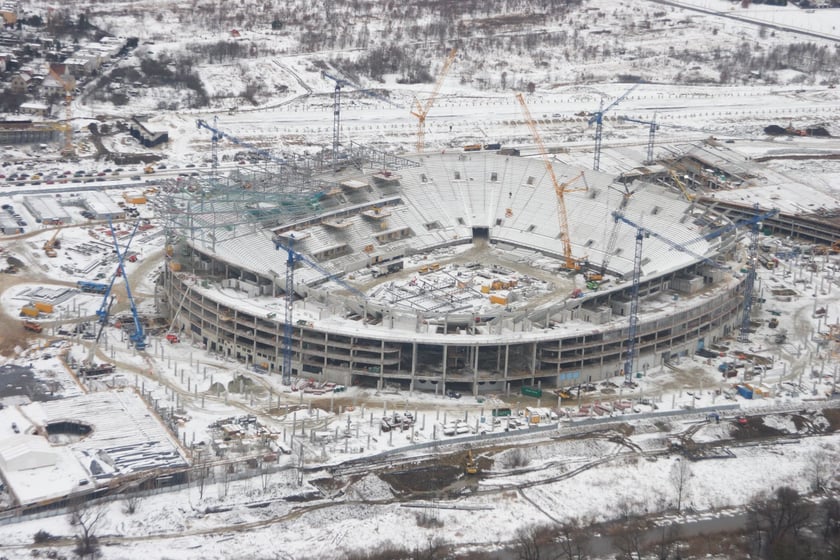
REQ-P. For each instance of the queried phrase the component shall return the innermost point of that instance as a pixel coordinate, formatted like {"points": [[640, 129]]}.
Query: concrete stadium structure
{"points": [[478, 212]]}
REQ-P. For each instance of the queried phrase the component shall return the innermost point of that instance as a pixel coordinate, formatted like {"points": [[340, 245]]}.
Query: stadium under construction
{"points": [[476, 272]]}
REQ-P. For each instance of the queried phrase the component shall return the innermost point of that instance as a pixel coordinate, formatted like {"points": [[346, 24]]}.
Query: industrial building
{"points": [[485, 296], [80, 444], [149, 138], [102, 206], [47, 210]]}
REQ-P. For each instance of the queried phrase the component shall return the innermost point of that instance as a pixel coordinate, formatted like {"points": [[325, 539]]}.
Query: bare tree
{"points": [[663, 546], [224, 488], [530, 543], [130, 503], [200, 473], [434, 549], [526, 544], [265, 475], [774, 521], [821, 470], [629, 539], [572, 541], [680, 475], [86, 518]]}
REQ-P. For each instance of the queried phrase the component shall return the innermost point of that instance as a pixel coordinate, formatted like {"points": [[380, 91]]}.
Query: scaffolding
{"points": [[266, 193]]}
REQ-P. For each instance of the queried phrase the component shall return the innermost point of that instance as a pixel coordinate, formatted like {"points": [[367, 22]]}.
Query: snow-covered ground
{"points": [[204, 387]]}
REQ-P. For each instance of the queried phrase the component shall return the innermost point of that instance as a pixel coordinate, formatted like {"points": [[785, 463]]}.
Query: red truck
{"points": [[32, 326]]}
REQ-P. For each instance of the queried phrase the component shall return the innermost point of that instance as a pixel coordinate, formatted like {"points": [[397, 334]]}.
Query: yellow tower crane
{"points": [[68, 149], [422, 109], [560, 189]]}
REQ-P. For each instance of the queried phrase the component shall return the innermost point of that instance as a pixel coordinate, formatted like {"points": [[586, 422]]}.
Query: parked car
{"points": [[453, 394]]}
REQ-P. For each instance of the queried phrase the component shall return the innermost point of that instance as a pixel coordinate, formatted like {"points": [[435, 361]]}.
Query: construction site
{"points": [[313, 317]]}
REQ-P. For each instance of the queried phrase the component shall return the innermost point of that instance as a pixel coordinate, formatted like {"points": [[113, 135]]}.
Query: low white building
{"points": [[102, 206], [35, 108], [24, 452]]}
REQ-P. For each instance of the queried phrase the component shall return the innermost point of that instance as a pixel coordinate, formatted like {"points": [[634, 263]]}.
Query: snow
{"points": [[176, 523]]}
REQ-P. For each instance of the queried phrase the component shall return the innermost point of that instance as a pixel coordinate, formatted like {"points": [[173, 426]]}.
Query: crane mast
{"points": [[288, 329], [559, 189], [652, 128], [598, 119], [68, 149], [422, 109]]}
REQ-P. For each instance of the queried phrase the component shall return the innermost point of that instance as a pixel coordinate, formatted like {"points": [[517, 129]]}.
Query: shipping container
{"points": [[744, 391], [501, 412], [532, 391], [43, 306], [29, 311]]}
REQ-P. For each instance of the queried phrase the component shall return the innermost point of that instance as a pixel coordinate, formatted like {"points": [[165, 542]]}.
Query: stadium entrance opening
{"points": [[480, 233]]}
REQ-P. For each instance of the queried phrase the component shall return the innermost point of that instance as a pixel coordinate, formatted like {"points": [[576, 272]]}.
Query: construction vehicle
{"points": [[32, 326], [148, 169], [173, 338], [422, 109], [470, 465], [559, 189], [53, 244]]}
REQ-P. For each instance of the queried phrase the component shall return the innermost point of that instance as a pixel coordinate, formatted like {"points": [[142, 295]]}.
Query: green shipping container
{"points": [[501, 412], [532, 392]]}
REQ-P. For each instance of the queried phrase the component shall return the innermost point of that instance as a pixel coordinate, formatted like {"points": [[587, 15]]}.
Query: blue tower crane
{"points": [[673, 244], [138, 337], [641, 234], [754, 223], [102, 312], [651, 135], [598, 119], [293, 258]]}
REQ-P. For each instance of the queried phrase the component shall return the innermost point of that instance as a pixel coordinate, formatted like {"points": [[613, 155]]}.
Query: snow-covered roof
{"points": [[125, 434], [101, 204]]}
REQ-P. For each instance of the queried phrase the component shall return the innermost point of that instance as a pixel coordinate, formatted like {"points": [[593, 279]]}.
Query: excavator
{"points": [[470, 465], [53, 244]]}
